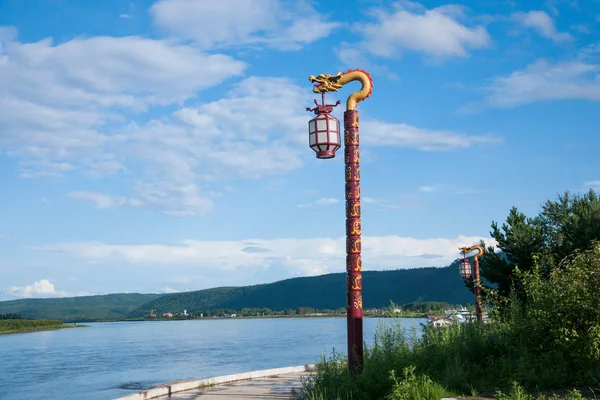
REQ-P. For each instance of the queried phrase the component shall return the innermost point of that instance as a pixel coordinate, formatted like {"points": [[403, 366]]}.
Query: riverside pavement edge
{"points": [[167, 389]]}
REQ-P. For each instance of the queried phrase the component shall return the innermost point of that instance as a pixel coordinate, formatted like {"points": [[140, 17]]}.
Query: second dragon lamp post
{"points": [[324, 139], [465, 271]]}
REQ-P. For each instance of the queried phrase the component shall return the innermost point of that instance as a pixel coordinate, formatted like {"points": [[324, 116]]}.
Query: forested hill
{"points": [[320, 292], [102, 307], [323, 292]]}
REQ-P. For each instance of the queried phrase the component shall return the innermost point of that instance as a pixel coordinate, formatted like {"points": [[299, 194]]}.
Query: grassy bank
{"points": [[468, 360], [31, 325], [546, 342]]}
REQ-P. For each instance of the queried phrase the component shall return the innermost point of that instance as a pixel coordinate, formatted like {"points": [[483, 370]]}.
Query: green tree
{"points": [[570, 223], [11, 316], [519, 239]]}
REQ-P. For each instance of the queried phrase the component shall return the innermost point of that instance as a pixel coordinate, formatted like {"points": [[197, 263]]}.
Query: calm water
{"points": [[109, 360]]}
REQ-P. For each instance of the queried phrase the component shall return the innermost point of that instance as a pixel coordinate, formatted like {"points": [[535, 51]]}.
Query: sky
{"points": [[163, 146]]}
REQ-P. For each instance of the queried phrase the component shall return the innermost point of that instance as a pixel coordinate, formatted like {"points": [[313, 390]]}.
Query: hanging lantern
{"points": [[324, 130], [465, 268]]}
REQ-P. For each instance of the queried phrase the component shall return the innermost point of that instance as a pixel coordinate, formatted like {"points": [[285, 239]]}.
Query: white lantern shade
{"points": [[465, 269], [324, 135]]}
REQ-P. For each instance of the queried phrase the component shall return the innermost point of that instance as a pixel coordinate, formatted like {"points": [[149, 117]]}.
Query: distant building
{"points": [[168, 315], [185, 312]]}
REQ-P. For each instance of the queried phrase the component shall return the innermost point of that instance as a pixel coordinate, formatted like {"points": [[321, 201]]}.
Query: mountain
{"points": [[109, 306], [320, 292], [323, 292]]}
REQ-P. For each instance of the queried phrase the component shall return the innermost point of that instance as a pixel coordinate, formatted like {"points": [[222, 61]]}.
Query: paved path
{"points": [[271, 388]]}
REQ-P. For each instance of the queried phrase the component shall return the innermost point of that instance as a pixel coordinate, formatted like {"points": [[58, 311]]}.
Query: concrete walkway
{"points": [[273, 387]]}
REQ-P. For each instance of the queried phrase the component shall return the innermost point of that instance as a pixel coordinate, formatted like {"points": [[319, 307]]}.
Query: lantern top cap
{"points": [[322, 108]]}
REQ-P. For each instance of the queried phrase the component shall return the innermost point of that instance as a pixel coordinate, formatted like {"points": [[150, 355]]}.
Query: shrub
{"points": [[550, 339]]}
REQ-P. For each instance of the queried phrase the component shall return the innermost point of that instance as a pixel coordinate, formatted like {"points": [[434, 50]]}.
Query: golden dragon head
{"points": [[326, 82], [467, 250]]}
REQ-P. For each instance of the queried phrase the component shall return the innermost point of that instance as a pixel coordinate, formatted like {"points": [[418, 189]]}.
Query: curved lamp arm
{"points": [[467, 250], [328, 83]]}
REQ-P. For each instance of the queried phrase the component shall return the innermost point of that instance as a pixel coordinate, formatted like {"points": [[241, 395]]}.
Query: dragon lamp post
{"points": [[465, 271], [324, 139]]}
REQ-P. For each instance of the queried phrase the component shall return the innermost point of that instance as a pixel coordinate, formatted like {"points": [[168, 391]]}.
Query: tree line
{"points": [[409, 309], [11, 316]]}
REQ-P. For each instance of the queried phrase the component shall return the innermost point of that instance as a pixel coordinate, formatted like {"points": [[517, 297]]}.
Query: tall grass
{"points": [[458, 359], [546, 341]]}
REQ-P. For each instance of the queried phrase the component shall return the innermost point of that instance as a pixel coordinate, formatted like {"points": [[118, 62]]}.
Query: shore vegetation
{"points": [[18, 324], [543, 339]]}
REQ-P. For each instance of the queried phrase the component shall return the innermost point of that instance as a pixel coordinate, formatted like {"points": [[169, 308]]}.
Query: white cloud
{"points": [[65, 107], [129, 72], [298, 256], [100, 200], [370, 200], [173, 200], [185, 278], [542, 24], [403, 202], [543, 80], [42, 288], [61, 102], [550, 4], [351, 56], [449, 189], [592, 184], [131, 12], [234, 138], [582, 28], [168, 289], [404, 135], [412, 27], [275, 23], [323, 201], [70, 109]]}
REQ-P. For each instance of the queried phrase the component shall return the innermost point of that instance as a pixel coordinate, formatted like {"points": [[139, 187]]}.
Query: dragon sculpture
{"points": [[332, 83], [467, 250]]}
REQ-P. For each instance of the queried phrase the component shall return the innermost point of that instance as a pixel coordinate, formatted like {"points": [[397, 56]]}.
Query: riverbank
{"points": [[194, 318], [32, 325]]}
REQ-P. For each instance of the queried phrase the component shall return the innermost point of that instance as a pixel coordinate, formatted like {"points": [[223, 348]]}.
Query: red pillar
{"points": [[477, 290], [353, 243]]}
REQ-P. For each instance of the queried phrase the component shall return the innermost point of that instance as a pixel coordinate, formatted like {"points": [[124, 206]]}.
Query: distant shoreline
{"points": [[238, 318], [38, 327]]}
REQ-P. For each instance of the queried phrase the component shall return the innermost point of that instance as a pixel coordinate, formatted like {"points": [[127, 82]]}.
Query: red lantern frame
{"points": [[324, 130], [465, 268]]}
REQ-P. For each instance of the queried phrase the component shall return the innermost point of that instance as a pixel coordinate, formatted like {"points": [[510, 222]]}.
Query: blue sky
{"points": [[160, 147]]}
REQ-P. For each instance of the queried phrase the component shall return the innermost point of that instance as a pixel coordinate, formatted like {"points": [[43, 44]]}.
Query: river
{"points": [[108, 360]]}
